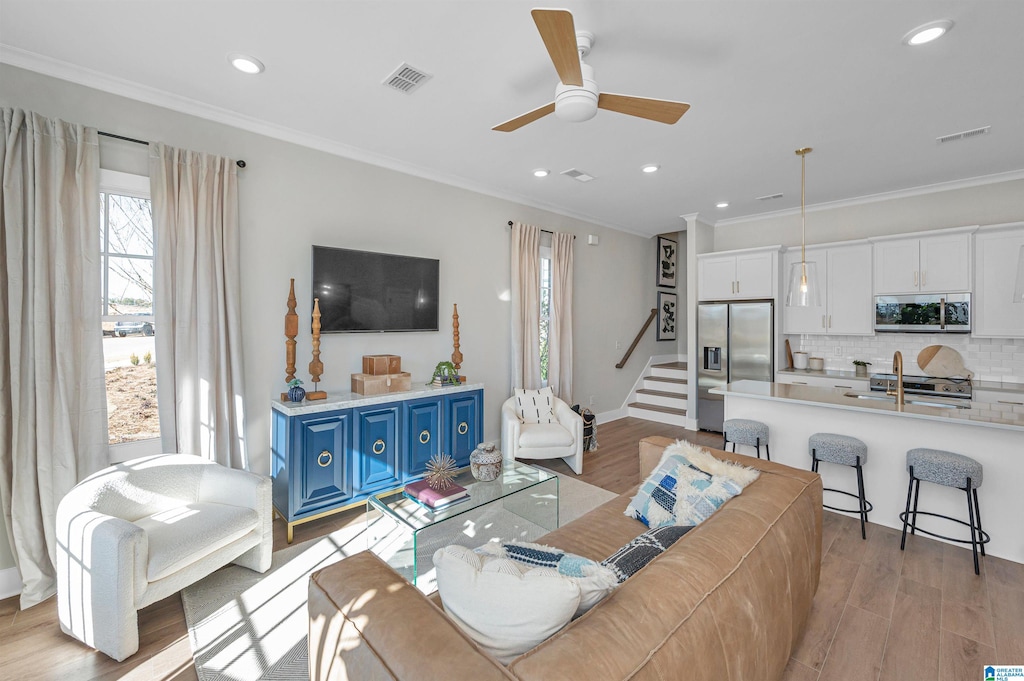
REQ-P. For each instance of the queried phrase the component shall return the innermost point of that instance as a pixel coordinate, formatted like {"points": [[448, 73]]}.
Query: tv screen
{"points": [[362, 292]]}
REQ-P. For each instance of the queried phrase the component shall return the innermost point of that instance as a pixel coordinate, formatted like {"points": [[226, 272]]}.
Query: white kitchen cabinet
{"points": [[844, 285], [927, 264], [995, 315], [737, 275]]}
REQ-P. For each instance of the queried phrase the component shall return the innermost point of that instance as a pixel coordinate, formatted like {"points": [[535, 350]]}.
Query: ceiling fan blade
{"points": [[661, 110], [559, 35], [520, 121]]}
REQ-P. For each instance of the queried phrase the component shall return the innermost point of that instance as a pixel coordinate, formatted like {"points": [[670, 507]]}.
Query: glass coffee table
{"points": [[521, 504]]}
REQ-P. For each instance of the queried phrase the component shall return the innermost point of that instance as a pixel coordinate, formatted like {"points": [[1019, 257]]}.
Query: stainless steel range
{"points": [[925, 385]]}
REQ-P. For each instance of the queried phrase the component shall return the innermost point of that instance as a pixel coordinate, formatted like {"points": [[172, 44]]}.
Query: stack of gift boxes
{"points": [[381, 374]]}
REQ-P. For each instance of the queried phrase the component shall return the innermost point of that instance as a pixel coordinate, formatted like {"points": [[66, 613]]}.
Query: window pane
{"points": [[131, 225], [129, 286]]}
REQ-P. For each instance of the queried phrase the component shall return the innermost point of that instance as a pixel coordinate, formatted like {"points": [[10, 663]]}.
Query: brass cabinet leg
{"points": [[290, 536]]}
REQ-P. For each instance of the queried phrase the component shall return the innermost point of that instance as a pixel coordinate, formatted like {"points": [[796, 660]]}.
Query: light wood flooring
{"points": [[880, 614]]}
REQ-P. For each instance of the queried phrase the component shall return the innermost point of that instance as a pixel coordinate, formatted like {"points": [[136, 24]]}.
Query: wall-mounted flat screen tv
{"points": [[365, 292]]}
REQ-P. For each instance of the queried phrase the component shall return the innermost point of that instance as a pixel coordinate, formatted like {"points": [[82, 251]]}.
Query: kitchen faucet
{"points": [[897, 368]]}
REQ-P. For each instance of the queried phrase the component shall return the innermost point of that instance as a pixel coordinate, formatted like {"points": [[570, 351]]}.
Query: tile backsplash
{"points": [[991, 359]]}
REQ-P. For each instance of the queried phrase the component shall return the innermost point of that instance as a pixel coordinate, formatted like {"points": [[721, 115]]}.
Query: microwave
{"points": [[924, 313]]}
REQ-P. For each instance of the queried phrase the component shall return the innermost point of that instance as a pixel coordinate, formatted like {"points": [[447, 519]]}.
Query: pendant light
{"points": [[1018, 288], [803, 275]]}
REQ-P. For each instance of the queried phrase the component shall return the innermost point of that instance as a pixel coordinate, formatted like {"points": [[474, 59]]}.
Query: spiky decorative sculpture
{"points": [[440, 471]]}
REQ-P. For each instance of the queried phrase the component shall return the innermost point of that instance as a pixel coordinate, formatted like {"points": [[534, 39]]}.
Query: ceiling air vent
{"points": [[966, 134], [577, 175], [406, 78], [769, 197]]}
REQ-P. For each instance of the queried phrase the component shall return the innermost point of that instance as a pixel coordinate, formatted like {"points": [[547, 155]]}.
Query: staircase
{"points": [[663, 395]]}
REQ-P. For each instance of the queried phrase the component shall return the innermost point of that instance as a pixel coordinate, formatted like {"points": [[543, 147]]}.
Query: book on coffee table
{"points": [[422, 492]]}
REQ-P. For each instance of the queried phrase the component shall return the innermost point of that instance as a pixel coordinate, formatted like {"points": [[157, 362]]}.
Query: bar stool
{"points": [[746, 432], [949, 470], [845, 451]]}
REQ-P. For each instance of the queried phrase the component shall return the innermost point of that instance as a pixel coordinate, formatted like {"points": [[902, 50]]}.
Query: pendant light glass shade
{"points": [[1018, 288], [803, 289]]}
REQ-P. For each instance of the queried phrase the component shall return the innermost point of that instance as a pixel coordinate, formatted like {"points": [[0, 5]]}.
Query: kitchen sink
{"points": [[912, 399]]}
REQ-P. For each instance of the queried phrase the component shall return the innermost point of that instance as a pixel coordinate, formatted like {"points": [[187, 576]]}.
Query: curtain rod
{"points": [[548, 231], [240, 163]]}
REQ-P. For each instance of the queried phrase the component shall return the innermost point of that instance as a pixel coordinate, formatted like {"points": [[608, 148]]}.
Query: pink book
{"points": [[422, 492]]}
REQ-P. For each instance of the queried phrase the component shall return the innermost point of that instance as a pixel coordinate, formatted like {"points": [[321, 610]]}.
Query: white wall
{"points": [[987, 204], [292, 197]]}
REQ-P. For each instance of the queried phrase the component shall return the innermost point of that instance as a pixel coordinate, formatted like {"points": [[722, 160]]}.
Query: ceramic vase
{"points": [[485, 462], [296, 394]]}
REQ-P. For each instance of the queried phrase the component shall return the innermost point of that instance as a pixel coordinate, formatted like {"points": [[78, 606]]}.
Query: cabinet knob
{"points": [[322, 461], [425, 437], [379, 446], [463, 428]]}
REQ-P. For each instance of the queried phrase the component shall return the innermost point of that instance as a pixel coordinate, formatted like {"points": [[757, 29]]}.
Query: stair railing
{"points": [[636, 341]]}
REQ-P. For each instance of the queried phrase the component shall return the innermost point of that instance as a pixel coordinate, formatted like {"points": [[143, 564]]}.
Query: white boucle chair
{"points": [[139, 531], [560, 440]]}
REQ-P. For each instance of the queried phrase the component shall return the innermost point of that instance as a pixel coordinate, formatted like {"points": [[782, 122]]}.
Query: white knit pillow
{"points": [[534, 406], [506, 611]]}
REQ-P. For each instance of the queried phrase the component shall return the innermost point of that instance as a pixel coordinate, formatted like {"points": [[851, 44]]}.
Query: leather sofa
{"points": [[728, 601]]}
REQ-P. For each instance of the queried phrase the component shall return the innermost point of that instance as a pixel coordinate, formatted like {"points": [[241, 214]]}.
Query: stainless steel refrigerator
{"points": [[735, 342]]}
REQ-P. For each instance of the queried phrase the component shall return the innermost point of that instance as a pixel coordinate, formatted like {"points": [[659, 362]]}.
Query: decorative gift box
{"points": [[368, 384], [380, 365]]}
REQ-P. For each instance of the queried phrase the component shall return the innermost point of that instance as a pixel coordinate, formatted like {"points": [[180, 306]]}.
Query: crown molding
{"points": [[982, 180], [31, 61]]}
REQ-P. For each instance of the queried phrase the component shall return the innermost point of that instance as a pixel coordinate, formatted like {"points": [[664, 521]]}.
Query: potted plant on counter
{"points": [[861, 367]]}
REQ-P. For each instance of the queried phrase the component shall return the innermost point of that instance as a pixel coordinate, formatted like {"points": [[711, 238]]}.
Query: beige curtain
{"points": [[53, 413], [525, 306], [560, 327], [197, 301]]}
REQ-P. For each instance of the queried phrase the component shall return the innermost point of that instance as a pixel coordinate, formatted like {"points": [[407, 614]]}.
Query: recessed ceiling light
{"points": [[722, 204], [245, 63], [925, 33], [541, 172], [650, 168]]}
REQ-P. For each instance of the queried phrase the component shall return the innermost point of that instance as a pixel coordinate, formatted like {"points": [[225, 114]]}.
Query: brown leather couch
{"points": [[728, 601]]}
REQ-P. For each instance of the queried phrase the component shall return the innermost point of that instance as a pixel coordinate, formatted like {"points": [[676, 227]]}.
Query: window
{"points": [[545, 308], [129, 348]]}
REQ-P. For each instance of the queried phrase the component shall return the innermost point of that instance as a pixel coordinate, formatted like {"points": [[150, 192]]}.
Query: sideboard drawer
{"points": [[463, 421], [376, 447], [422, 435], [321, 477]]}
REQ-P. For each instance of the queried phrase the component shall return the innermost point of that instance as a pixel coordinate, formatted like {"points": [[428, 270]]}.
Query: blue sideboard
{"points": [[329, 455]]}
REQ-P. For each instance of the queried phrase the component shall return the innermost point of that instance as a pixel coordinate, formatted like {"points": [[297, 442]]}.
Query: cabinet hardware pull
{"points": [[424, 437], [463, 428], [922, 278], [737, 287], [378, 447], [830, 321], [848, 387], [823, 322], [915, 278], [320, 459], [1019, 404], [799, 382]]}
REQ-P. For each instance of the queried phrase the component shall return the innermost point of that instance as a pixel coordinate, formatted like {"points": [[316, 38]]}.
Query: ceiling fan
{"points": [[576, 96]]}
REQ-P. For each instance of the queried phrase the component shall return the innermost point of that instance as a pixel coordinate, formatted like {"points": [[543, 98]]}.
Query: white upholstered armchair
{"points": [[537, 425], [139, 531]]}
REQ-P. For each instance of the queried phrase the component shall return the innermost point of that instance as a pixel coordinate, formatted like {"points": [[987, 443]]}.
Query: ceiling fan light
{"points": [[926, 33], [246, 64], [541, 172], [576, 105]]}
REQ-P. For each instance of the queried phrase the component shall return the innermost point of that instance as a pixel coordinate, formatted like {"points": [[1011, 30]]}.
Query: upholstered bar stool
{"points": [[845, 451], [949, 470], [746, 432]]}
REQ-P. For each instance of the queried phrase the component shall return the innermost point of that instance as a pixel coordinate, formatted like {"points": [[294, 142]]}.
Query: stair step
{"points": [[660, 393], [661, 398], [650, 412], [665, 379], [670, 365]]}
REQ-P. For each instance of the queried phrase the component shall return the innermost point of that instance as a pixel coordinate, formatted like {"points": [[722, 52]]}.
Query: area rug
{"points": [[244, 625]]}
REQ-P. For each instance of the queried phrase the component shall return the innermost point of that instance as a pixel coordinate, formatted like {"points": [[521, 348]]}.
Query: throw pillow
{"points": [[506, 611], [628, 560], [534, 406], [681, 492], [594, 579]]}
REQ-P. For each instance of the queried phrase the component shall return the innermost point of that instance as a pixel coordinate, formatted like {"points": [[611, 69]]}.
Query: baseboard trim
{"points": [[10, 582], [613, 415]]}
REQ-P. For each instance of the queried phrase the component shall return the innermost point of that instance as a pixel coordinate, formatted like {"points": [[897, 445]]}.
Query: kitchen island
{"points": [[795, 412]]}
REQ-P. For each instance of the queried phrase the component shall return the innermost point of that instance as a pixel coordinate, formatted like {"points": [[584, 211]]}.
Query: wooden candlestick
{"points": [[291, 330], [456, 355], [316, 367]]}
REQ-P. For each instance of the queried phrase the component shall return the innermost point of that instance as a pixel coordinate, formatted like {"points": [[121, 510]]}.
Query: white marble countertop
{"points": [[838, 399], [348, 400], [824, 373]]}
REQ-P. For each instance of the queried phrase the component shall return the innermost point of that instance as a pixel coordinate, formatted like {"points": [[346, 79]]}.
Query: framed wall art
{"points": [[668, 251], [666, 316]]}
